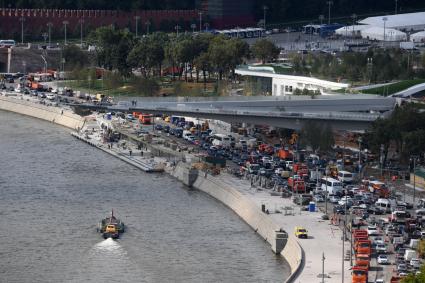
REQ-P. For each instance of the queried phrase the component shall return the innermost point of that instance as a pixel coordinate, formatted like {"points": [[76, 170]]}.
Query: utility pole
{"points": [[65, 23], [81, 21], [49, 25], [177, 28], [330, 3], [22, 20], [148, 23], [200, 21], [321, 18], [137, 18], [265, 8], [385, 19]]}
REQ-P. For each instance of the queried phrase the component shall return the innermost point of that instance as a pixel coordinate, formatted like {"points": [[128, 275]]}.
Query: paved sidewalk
{"points": [[323, 237]]}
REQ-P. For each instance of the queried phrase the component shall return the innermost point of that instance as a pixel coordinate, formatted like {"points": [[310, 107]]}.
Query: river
{"points": [[54, 189]]}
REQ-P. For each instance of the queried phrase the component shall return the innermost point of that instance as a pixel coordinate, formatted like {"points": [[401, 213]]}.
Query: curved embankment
{"points": [[231, 197], [247, 210], [52, 114]]}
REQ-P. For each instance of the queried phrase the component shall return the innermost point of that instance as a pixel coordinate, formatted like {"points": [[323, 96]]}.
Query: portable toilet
{"points": [[312, 206]]}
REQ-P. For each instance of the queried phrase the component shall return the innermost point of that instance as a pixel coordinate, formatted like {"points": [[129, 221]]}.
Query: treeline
{"points": [[181, 54], [376, 65]]}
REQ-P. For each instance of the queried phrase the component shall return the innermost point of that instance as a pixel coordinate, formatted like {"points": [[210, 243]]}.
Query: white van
{"points": [[345, 177], [331, 185], [186, 134], [385, 204], [221, 140]]}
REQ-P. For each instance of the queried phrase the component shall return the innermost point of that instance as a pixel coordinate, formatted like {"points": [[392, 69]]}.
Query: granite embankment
{"points": [[52, 114], [247, 210]]}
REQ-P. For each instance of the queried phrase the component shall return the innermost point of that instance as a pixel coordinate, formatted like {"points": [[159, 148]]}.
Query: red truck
{"points": [[359, 275], [300, 169], [296, 185]]}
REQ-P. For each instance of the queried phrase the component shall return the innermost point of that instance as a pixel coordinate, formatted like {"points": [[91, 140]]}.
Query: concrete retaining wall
{"points": [[249, 212], [48, 113]]}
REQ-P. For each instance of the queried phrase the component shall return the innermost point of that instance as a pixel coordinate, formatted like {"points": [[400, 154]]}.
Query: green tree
{"points": [[265, 50], [75, 57]]}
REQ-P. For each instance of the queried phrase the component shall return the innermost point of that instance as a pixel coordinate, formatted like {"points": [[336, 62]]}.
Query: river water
{"points": [[54, 189]]}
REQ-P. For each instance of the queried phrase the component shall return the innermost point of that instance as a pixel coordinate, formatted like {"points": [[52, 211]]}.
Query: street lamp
{"points": [[49, 25], [382, 158], [385, 19], [200, 21], [45, 35], [360, 140], [65, 23], [177, 28], [395, 12], [413, 159], [22, 20], [137, 18], [330, 3], [265, 8], [81, 21], [148, 23], [321, 18]]}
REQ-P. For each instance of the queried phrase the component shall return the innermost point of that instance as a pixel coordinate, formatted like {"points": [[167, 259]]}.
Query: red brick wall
{"points": [[36, 19]]}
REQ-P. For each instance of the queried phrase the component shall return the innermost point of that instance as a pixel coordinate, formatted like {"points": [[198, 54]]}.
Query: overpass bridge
{"points": [[345, 112]]}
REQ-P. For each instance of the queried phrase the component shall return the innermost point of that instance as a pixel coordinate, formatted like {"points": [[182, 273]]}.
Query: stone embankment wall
{"points": [[52, 114], [247, 210]]}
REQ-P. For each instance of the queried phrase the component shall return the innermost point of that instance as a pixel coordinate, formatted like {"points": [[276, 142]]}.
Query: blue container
{"points": [[312, 206], [108, 116]]}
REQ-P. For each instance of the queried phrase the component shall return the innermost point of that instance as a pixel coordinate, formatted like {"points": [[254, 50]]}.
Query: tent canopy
{"points": [[377, 33]]}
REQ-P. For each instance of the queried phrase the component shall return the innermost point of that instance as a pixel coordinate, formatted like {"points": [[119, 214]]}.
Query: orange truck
{"points": [[296, 185], [136, 115], [145, 118], [359, 274], [363, 260], [300, 169], [284, 154], [363, 247]]}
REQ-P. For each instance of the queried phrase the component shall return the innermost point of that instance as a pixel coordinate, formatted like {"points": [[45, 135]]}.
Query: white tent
{"points": [[351, 31], [406, 22], [377, 33], [418, 37]]}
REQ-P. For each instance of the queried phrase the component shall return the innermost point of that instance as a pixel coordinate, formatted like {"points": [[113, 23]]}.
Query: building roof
{"points": [[399, 21]]}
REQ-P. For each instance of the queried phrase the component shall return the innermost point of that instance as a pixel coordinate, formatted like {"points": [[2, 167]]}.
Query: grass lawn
{"points": [[393, 88]]}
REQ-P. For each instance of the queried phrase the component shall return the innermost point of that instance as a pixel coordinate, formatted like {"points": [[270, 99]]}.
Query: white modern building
{"points": [[418, 37], [404, 22], [283, 85], [383, 34]]}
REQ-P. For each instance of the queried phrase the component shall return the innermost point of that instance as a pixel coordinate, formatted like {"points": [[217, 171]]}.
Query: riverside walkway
{"points": [[323, 237]]}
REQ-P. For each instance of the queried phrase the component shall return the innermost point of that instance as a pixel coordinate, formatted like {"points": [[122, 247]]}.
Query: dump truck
{"points": [[296, 185], [359, 275]]}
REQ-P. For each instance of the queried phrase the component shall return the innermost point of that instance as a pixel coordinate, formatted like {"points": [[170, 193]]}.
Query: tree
{"points": [[75, 57], [219, 55], [265, 50], [415, 278]]}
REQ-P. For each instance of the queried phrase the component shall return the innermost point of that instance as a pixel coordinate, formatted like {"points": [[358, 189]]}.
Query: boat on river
{"points": [[111, 227]]}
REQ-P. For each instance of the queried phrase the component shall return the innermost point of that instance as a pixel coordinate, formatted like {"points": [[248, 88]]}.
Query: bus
{"points": [[331, 185], [345, 176], [7, 43]]}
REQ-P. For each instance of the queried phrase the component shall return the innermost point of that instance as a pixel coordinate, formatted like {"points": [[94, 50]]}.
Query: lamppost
{"points": [[148, 23], [137, 18], [330, 3], [343, 239], [65, 23], [81, 21], [360, 155], [321, 18], [22, 20], [385, 19], [382, 158], [354, 17], [395, 12], [200, 21], [177, 28], [49, 25], [323, 267], [413, 159], [45, 35], [265, 8], [193, 26]]}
